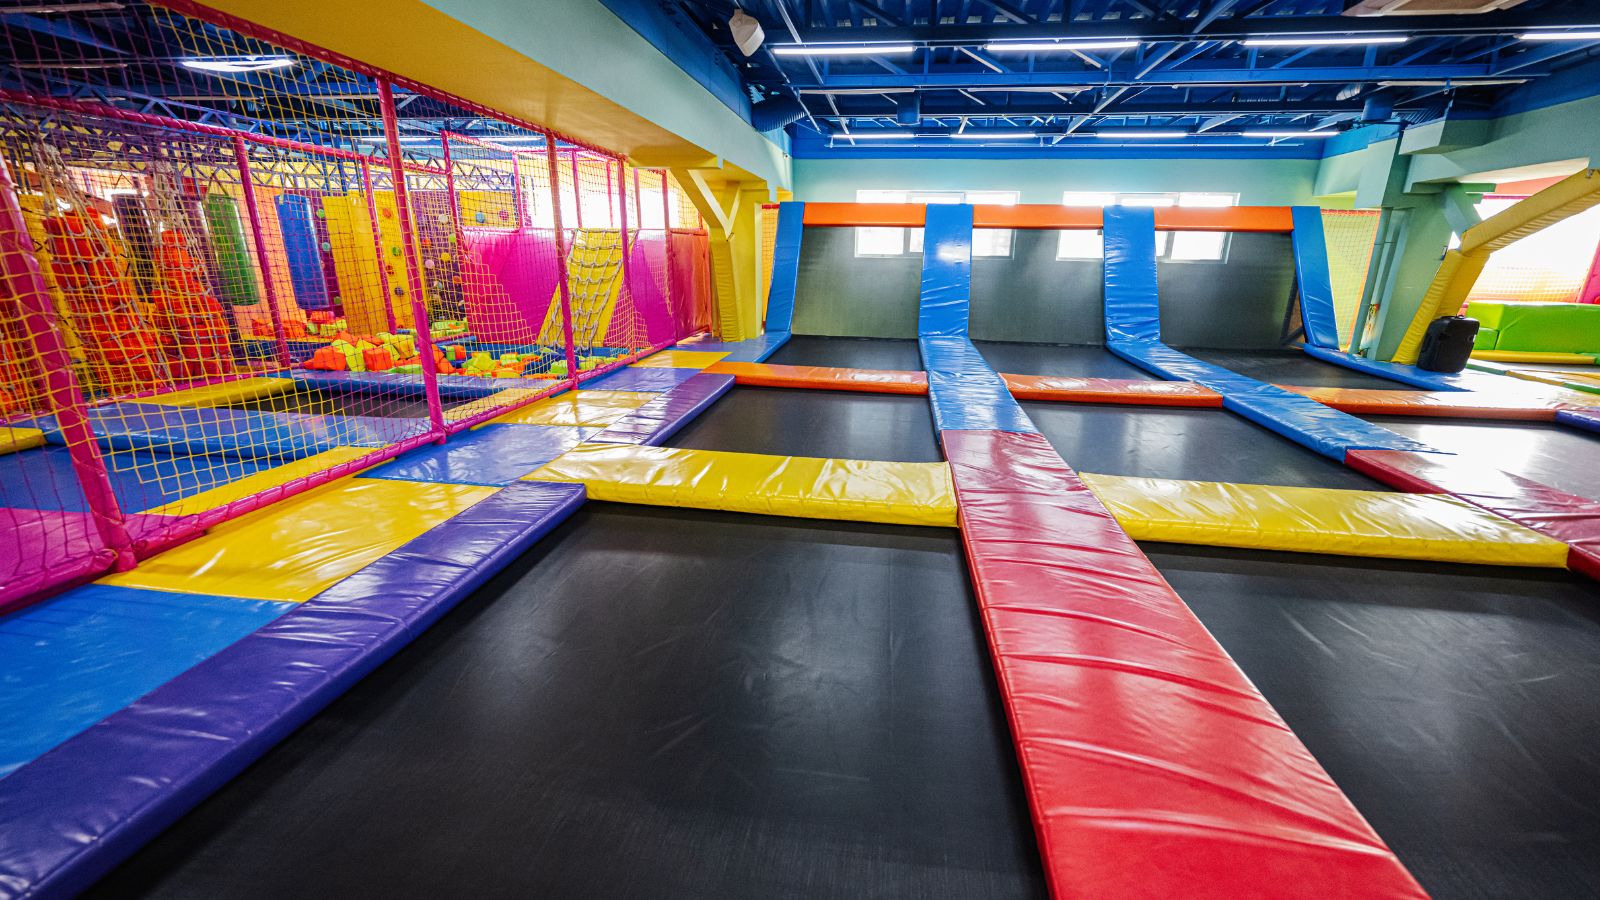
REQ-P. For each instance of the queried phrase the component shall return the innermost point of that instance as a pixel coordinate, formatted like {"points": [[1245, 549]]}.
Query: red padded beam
{"points": [[1153, 766], [1573, 520]]}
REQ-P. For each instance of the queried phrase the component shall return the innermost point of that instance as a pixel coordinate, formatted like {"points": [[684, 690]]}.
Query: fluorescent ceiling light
{"points": [[1051, 46], [1137, 134], [1287, 134], [851, 92], [409, 139], [876, 135], [1315, 40], [1561, 36], [841, 49], [994, 135], [241, 64]]}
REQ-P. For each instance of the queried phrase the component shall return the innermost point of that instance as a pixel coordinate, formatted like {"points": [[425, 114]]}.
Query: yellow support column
{"points": [[730, 212]]}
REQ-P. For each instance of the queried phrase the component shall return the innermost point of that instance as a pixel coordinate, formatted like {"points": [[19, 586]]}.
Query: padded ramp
{"points": [[1568, 518], [1320, 520], [1154, 767], [1312, 279], [74, 813], [653, 423], [491, 455], [298, 547], [586, 408], [896, 493], [1133, 332], [80, 656]]}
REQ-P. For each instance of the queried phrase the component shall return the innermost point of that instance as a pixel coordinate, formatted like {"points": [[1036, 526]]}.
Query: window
{"points": [[908, 241], [1183, 246]]}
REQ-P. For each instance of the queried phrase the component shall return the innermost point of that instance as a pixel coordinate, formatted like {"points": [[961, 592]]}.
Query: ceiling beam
{"points": [[1123, 75]]}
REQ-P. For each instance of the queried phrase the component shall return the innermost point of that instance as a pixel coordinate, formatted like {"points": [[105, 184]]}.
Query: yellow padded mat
{"points": [[13, 440], [225, 393], [257, 482], [293, 550], [1320, 520], [595, 409], [483, 404], [679, 359], [861, 490]]}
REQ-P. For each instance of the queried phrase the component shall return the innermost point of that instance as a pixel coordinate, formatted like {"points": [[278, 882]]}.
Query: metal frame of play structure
{"points": [[134, 350]]}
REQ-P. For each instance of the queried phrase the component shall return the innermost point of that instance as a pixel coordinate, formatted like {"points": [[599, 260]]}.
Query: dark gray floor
{"points": [[850, 353], [1560, 457], [839, 424], [1455, 705], [1293, 366], [652, 703], [1058, 359], [1198, 444]]}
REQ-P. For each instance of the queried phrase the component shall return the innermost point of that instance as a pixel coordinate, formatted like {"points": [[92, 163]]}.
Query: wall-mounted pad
{"points": [[1312, 278]]}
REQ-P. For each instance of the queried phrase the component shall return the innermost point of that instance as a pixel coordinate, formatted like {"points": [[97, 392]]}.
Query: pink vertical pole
{"points": [[1591, 284], [622, 207], [408, 250], [377, 245], [561, 252], [450, 190], [666, 230], [19, 269], [241, 153], [577, 193]]}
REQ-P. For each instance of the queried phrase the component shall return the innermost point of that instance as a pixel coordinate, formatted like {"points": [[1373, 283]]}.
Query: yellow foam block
{"points": [[225, 393], [507, 397], [1320, 520], [679, 359], [257, 482], [293, 550], [595, 409], [13, 440], [861, 490]]}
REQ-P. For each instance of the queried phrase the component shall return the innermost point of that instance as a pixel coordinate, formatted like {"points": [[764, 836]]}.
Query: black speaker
{"points": [[1447, 345]]}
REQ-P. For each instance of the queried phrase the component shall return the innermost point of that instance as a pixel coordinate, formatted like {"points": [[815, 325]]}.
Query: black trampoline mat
{"points": [[893, 354], [1194, 444], [803, 422], [1296, 367], [651, 703], [1551, 454], [1455, 705], [1058, 359]]}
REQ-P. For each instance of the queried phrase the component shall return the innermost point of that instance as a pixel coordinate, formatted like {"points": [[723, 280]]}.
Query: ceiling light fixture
{"points": [[876, 135], [841, 49], [1314, 40], [1560, 36], [1139, 135], [239, 64], [1287, 134], [995, 135], [1054, 46]]}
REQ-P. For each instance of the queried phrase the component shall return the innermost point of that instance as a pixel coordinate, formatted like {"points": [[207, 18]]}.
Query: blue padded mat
{"points": [[490, 455], [74, 659], [42, 478], [629, 378], [965, 392], [785, 266], [1311, 277], [946, 272], [451, 387]]}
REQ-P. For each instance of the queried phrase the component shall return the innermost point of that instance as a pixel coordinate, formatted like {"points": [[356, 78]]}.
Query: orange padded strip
{"points": [[1041, 215], [1111, 390], [826, 378], [1445, 404]]}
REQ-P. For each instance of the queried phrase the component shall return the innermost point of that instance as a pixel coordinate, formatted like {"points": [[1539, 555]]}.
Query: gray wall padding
{"points": [[1034, 297]]}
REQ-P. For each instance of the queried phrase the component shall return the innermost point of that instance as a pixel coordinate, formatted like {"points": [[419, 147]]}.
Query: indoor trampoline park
{"points": [[800, 449]]}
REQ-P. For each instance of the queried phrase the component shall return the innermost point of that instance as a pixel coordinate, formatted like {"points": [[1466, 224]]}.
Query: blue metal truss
{"points": [[1192, 68]]}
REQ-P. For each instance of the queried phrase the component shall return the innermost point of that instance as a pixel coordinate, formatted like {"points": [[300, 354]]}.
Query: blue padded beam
{"points": [[785, 267], [1312, 278], [1133, 310], [946, 271], [74, 813], [1420, 379], [965, 392]]}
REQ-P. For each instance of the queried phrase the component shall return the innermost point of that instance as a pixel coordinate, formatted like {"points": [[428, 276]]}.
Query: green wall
{"points": [[1265, 182]]}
